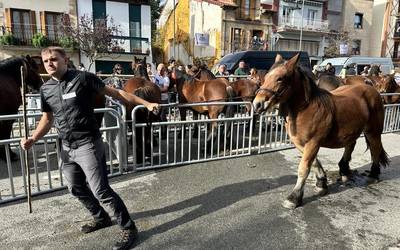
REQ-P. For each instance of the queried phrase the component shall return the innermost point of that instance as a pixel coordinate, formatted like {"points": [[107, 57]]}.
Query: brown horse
{"points": [[245, 90], [329, 82], [388, 85], [148, 91], [317, 118], [192, 90], [10, 95]]}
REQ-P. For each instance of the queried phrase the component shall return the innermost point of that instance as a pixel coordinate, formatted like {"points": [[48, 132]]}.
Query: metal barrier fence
{"points": [[44, 159], [171, 142], [177, 141]]}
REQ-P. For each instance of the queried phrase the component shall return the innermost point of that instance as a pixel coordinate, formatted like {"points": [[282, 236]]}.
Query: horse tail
{"points": [[383, 156], [230, 110]]}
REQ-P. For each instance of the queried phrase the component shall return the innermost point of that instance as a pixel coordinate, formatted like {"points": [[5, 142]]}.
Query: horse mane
{"points": [[11, 66], [312, 93]]}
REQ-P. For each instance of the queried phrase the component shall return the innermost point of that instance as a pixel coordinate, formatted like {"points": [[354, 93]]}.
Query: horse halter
{"points": [[275, 94]]}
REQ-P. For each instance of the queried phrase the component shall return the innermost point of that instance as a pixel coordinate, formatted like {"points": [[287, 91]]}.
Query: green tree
{"points": [[155, 15]]}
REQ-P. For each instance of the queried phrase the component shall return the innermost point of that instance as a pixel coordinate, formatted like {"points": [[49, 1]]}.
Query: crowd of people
{"points": [[347, 70]]}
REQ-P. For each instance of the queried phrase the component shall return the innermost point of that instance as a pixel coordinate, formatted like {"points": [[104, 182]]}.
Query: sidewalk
{"points": [[230, 204]]}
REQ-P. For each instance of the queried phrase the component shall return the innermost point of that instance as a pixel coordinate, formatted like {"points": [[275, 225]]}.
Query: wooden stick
{"points": [[26, 133]]}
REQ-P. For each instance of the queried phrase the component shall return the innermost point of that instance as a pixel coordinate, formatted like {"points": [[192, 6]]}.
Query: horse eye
{"points": [[280, 79]]}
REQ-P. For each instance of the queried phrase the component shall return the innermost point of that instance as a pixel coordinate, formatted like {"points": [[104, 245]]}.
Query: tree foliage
{"points": [[335, 39], [94, 38], [155, 15]]}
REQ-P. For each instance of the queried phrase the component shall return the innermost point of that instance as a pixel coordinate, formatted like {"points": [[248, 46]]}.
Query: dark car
{"points": [[261, 60]]}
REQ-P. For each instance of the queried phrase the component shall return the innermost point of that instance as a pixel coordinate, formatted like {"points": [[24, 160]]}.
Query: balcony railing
{"points": [[23, 35], [131, 45], [290, 23]]}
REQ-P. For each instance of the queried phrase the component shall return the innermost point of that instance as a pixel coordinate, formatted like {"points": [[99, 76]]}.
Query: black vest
{"points": [[71, 100]]}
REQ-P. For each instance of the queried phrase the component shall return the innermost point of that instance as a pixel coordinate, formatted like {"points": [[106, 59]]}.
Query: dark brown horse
{"points": [[140, 86], [245, 90], [388, 84], [192, 90], [10, 95], [329, 82], [317, 118]]}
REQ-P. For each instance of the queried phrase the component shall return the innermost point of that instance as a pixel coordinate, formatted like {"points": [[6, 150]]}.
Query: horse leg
{"points": [[295, 198], [344, 168], [5, 132], [321, 185], [378, 156]]}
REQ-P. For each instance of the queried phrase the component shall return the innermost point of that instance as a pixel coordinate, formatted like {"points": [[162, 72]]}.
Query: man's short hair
{"points": [[51, 49], [171, 60]]}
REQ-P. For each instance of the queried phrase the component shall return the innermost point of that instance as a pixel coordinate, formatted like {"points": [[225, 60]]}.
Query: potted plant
{"points": [[7, 39], [40, 40], [67, 42]]}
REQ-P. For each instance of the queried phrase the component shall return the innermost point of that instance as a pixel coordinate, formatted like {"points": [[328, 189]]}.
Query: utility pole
{"points": [[301, 27], [174, 41]]}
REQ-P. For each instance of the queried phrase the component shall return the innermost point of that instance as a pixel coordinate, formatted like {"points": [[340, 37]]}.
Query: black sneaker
{"points": [[128, 237], [95, 225]]}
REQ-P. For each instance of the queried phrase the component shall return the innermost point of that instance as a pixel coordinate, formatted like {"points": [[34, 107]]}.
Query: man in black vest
{"points": [[67, 98]]}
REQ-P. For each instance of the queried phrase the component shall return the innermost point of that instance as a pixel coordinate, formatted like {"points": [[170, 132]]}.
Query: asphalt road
{"points": [[230, 204]]}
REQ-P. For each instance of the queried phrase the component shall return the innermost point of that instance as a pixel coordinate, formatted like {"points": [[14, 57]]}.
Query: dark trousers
{"points": [[85, 170]]}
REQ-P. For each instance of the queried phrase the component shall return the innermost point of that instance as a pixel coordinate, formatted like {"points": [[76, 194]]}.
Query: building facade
{"points": [[301, 25], [134, 20], [24, 23], [211, 29]]}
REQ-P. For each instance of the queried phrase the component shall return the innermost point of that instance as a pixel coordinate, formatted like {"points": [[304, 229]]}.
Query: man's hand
{"points": [[153, 107], [27, 143]]}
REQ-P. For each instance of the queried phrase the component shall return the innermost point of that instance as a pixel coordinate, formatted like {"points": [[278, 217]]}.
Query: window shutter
{"points": [[43, 22], [7, 12], [33, 22]]}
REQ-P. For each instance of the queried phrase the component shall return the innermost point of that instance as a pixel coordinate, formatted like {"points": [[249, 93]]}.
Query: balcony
{"points": [[313, 25], [131, 45], [28, 36]]}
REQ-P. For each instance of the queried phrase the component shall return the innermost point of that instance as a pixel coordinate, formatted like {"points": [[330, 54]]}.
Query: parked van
{"points": [[360, 61], [261, 60]]}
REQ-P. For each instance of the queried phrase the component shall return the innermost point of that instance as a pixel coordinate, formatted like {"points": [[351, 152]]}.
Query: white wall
{"points": [[85, 7], [205, 18]]}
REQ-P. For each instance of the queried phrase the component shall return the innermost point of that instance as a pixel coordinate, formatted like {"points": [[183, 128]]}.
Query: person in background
{"points": [[254, 76], [188, 68], [115, 81], [162, 81], [82, 67], [149, 71], [171, 65], [67, 102], [241, 70], [347, 70], [329, 69], [365, 70], [222, 70]]}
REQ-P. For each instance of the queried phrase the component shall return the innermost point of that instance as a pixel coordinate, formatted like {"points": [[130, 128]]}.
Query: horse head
{"points": [[286, 79], [140, 68], [202, 73], [387, 84], [32, 77], [277, 86]]}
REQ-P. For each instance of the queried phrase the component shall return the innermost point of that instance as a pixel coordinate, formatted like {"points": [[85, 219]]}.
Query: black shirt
{"points": [[71, 100]]}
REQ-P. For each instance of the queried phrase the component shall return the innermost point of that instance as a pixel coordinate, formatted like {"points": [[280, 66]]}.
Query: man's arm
{"points": [[44, 126], [129, 98]]}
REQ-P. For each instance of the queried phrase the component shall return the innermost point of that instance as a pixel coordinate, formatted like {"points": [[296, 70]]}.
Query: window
{"points": [[21, 25], [358, 21], [52, 25], [246, 8], [312, 15], [135, 26], [356, 47], [236, 39], [287, 14]]}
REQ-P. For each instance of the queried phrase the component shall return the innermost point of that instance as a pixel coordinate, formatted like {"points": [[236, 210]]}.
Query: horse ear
{"points": [[292, 63], [278, 58]]}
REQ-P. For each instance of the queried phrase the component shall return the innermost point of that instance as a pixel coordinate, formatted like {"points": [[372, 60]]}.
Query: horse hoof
{"points": [[321, 191], [345, 178], [289, 204], [372, 180]]}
